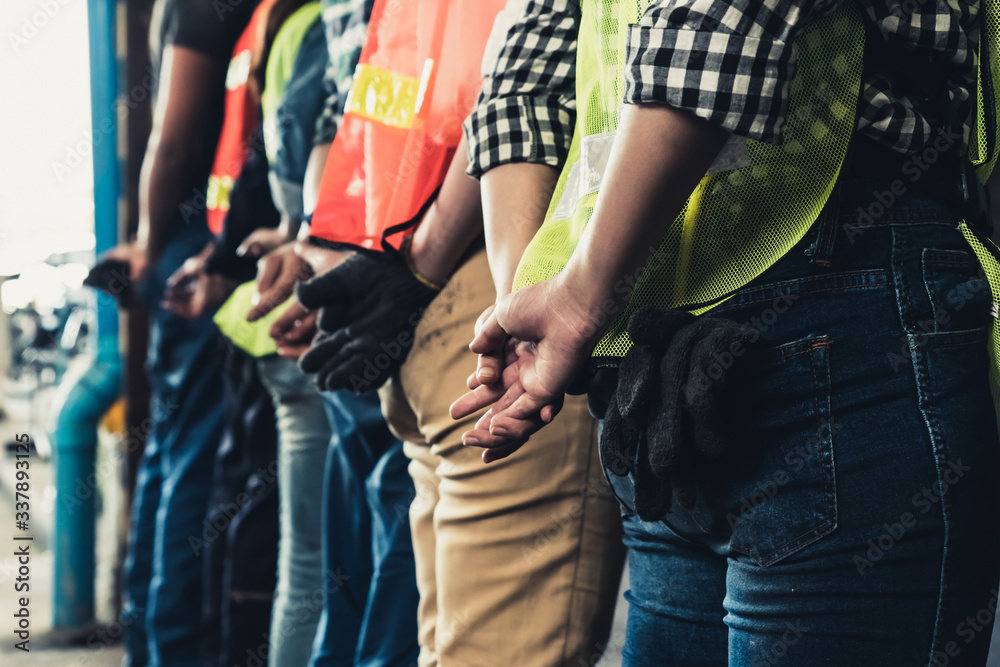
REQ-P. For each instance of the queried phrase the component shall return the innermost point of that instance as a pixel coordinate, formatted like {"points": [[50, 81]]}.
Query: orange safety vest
{"points": [[417, 79], [242, 115]]}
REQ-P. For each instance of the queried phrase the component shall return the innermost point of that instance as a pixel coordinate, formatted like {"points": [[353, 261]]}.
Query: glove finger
{"points": [[636, 379], [357, 367], [325, 289], [705, 378], [653, 494], [712, 359], [324, 348], [665, 425]]}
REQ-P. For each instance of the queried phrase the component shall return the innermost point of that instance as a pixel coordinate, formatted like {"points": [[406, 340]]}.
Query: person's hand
{"points": [[546, 337], [191, 292], [277, 274], [133, 254], [261, 242], [322, 260], [294, 330]]}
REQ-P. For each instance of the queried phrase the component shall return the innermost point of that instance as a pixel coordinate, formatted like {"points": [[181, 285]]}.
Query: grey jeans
{"points": [[303, 438]]}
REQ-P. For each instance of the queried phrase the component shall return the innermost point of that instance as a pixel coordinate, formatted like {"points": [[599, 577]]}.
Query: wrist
{"points": [[593, 307], [428, 258], [319, 260], [425, 269]]}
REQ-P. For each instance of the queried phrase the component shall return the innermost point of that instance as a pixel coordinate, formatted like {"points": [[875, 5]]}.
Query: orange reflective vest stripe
{"points": [[417, 79], [242, 114]]}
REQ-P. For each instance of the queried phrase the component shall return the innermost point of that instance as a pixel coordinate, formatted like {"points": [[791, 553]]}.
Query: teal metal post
{"points": [[85, 398]]}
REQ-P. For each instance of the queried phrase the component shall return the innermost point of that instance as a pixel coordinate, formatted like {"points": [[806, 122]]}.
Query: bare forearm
{"points": [[314, 177], [452, 222], [289, 227], [185, 126], [165, 183], [659, 156], [515, 199]]}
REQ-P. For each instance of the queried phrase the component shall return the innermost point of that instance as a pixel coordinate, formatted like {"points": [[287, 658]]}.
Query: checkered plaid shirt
{"points": [[346, 23], [729, 61]]}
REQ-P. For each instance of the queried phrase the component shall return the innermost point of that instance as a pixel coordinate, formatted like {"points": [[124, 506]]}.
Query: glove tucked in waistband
{"points": [[669, 394]]}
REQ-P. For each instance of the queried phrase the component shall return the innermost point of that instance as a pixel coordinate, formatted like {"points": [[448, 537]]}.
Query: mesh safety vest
{"points": [[281, 64], [254, 338], [417, 79], [242, 113], [758, 200]]}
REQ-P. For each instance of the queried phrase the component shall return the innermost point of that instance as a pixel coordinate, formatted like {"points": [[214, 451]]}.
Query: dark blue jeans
{"points": [[163, 584], [370, 603], [855, 523]]}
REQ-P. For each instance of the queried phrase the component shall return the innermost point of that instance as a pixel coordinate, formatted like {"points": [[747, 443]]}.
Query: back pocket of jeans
{"points": [[959, 294], [781, 495]]}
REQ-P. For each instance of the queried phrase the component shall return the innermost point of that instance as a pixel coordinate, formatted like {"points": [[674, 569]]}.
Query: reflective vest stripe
{"points": [[385, 97], [242, 113], [417, 80]]}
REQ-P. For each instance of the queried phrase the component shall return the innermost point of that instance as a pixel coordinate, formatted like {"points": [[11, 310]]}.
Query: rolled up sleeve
{"points": [[730, 63], [526, 110]]}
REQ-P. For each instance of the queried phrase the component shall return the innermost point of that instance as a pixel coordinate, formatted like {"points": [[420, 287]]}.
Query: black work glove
{"points": [[370, 308], [669, 394]]}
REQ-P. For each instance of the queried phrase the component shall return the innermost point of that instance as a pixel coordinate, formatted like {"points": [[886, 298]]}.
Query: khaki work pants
{"points": [[518, 562]]}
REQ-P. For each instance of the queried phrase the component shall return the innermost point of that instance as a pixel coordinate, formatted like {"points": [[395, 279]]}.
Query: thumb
{"points": [[490, 336], [519, 313], [267, 271]]}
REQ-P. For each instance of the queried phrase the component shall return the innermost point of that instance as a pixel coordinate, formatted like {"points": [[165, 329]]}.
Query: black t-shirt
{"points": [[207, 26]]}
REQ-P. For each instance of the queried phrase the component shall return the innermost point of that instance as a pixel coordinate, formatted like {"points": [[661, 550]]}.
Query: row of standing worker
{"points": [[387, 247]]}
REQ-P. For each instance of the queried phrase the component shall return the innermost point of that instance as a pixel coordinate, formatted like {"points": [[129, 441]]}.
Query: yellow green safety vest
{"points": [[254, 338], [758, 200]]}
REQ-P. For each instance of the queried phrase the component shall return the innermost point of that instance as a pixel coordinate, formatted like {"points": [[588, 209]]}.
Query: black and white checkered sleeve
{"points": [[527, 108], [728, 62]]}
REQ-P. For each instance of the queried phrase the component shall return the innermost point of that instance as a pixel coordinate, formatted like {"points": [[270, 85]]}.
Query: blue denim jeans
{"points": [[854, 523], [163, 585], [303, 441], [370, 608]]}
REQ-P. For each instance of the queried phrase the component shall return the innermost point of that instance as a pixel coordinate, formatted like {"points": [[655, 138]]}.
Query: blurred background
{"points": [[60, 117], [48, 319]]}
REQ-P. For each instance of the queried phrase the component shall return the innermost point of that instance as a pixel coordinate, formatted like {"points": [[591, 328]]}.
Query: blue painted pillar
{"points": [[86, 397]]}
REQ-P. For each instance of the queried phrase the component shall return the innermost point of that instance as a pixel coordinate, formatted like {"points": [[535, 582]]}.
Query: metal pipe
{"points": [[83, 399]]}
